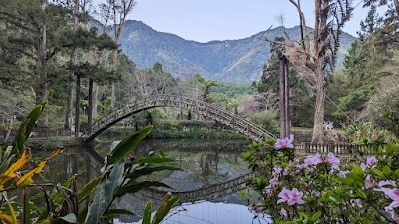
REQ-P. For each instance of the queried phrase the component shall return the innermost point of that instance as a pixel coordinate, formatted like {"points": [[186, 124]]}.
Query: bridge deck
{"points": [[202, 108]]}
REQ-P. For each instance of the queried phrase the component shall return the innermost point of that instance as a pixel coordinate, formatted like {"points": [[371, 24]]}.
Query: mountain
{"points": [[230, 60]]}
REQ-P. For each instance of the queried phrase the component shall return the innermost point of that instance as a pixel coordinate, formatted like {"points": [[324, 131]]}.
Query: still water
{"points": [[205, 162]]}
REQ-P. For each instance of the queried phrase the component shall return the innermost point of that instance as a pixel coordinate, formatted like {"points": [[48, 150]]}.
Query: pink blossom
{"points": [[298, 168], [368, 183], [342, 174], [316, 159], [256, 208], [363, 166], [356, 203], [370, 161], [295, 196], [283, 195], [277, 170], [394, 216], [332, 159], [283, 213], [284, 143], [387, 182], [315, 193], [286, 170], [392, 194]]}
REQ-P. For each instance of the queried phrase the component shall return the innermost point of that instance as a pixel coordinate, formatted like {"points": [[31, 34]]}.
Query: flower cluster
{"points": [[324, 188]]}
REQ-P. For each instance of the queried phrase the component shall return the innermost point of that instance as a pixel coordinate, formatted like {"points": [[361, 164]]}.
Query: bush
{"points": [[320, 189], [266, 118]]}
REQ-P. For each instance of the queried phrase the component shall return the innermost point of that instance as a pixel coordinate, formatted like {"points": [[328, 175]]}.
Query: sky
{"points": [[206, 20]]}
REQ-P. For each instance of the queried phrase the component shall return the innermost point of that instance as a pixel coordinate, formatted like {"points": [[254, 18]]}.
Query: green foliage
{"points": [[330, 192], [66, 203], [366, 133], [268, 119], [52, 142]]}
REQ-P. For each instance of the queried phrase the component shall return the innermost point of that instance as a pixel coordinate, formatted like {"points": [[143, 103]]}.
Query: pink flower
{"points": [[295, 196], [342, 174], [283, 195], [283, 213], [298, 168], [392, 194], [387, 182], [332, 159], [370, 161], [256, 208], [316, 159], [394, 216], [284, 143], [277, 170], [356, 203], [368, 183]]}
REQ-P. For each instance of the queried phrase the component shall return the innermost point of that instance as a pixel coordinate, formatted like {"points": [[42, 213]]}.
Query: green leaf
{"points": [[118, 212], [163, 210], [361, 193], [148, 170], [357, 169], [154, 160], [71, 218], [315, 216], [105, 193], [378, 172], [134, 187], [26, 127], [397, 172], [387, 171], [127, 145], [346, 181], [161, 154], [55, 196], [88, 189], [147, 213]]}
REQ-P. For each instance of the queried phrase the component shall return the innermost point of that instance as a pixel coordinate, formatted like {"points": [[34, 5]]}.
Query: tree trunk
{"points": [[396, 4], [95, 100], [90, 107], [319, 109], [10, 127], [115, 61], [77, 106], [41, 85], [69, 106]]}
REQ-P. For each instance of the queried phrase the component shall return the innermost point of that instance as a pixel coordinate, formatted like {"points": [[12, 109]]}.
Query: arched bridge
{"points": [[202, 108]]}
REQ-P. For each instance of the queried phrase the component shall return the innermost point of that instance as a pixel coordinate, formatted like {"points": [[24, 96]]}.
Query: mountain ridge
{"points": [[239, 60]]}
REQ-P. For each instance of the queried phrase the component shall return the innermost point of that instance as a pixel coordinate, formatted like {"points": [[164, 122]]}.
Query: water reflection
{"points": [[206, 162], [212, 212]]}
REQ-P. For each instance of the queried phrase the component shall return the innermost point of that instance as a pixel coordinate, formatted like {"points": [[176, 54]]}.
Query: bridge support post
{"points": [[284, 97]]}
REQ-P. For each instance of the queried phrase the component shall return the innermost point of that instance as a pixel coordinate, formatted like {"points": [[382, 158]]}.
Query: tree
{"points": [[120, 10], [30, 31], [207, 84], [315, 61]]}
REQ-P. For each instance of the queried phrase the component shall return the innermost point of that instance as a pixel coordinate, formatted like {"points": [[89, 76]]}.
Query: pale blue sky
{"points": [[206, 20]]}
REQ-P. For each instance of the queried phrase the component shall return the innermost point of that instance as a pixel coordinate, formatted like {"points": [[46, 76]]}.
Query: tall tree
{"points": [[120, 10], [207, 84], [314, 56]]}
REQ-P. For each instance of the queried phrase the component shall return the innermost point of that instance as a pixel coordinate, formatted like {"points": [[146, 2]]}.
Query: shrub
{"points": [[320, 189]]}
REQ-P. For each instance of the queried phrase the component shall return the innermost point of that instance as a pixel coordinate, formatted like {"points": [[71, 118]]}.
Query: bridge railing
{"points": [[208, 110], [343, 149]]}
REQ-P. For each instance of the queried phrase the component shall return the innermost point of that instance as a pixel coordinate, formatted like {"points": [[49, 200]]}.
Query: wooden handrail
{"points": [[240, 124]]}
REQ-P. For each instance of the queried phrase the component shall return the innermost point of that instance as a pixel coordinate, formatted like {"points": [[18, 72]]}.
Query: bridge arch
{"points": [[234, 121]]}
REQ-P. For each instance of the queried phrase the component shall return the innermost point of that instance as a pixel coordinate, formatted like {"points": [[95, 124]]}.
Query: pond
{"points": [[205, 163]]}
